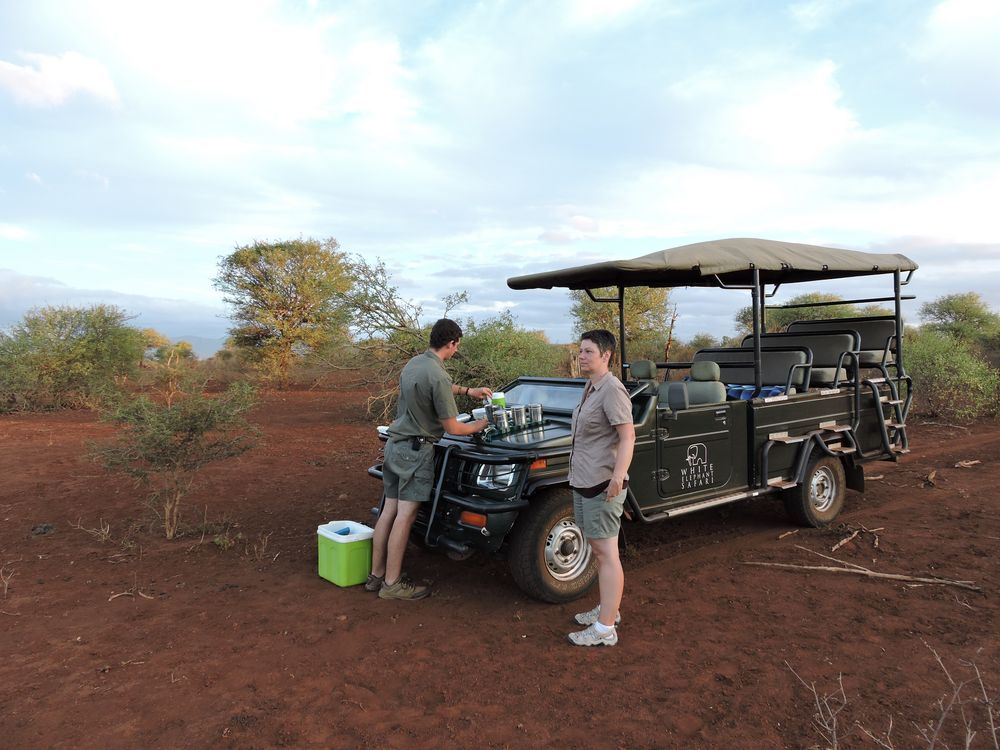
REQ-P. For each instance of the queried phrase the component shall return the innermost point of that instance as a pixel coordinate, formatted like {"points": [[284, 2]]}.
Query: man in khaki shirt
{"points": [[425, 411], [603, 440]]}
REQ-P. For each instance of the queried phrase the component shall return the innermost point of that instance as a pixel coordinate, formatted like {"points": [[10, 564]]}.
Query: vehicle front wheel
{"points": [[550, 558], [819, 499]]}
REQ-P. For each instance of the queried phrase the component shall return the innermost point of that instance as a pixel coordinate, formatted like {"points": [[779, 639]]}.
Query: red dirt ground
{"points": [[228, 648]]}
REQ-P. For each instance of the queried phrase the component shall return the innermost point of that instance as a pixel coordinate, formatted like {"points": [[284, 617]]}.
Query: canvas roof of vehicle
{"points": [[720, 263]]}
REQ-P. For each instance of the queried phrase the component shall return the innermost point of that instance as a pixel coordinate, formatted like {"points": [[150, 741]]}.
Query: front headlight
{"points": [[496, 476]]}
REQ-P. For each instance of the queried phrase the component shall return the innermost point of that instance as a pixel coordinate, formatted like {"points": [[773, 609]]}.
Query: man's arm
{"points": [[454, 427], [626, 443], [464, 390]]}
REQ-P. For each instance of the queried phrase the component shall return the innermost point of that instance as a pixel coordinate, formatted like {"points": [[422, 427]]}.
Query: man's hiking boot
{"points": [[590, 637], [403, 589], [590, 617], [374, 583]]}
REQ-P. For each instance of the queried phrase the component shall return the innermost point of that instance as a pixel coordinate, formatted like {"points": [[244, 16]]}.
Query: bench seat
{"points": [[787, 367], [826, 347], [878, 335]]}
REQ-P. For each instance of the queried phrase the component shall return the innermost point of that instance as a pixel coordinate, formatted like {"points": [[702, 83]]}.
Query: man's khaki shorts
{"points": [[408, 474], [599, 518]]}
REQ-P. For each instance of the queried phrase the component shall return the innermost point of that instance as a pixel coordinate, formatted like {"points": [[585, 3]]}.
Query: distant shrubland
{"points": [[305, 313]]}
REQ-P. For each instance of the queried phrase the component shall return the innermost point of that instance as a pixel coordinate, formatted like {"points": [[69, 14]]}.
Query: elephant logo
{"points": [[697, 455]]}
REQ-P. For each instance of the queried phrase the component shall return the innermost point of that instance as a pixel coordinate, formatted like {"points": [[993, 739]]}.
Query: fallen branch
{"points": [[945, 424], [845, 540], [872, 574], [132, 592], [5, 578]]}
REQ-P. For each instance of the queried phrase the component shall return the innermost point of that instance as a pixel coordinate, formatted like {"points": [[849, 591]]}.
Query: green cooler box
{"points": [[345, 552]]}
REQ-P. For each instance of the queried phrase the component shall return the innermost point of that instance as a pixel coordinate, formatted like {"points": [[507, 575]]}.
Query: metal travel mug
{"points": [[534, 413], [519, 416], [501, 419]]}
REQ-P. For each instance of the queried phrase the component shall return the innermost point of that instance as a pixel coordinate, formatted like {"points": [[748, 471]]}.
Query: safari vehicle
{"points": [[796, 414]]}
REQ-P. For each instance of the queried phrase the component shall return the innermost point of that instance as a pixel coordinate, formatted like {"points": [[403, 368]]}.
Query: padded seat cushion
{"points": [[775, 366], [643, 369]]}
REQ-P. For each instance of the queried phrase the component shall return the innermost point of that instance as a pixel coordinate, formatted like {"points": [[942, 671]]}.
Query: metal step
{"points": [[887, 400], [784, 437], [834, 427], [781, 483], [841, 448], [894, 424]]}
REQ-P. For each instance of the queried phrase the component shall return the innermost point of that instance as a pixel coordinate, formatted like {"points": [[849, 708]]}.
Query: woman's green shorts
{"points": [[599, 517]]}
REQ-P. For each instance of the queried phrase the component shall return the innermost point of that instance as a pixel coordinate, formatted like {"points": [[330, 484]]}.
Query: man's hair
{"points": [[605, 340], [444, 332]]}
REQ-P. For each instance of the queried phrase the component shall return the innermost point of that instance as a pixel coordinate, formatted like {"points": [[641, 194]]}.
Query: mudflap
{"points": [[855, 476]]}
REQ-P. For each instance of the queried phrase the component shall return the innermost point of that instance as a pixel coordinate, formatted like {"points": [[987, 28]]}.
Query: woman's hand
{"points": [[614, 487]]}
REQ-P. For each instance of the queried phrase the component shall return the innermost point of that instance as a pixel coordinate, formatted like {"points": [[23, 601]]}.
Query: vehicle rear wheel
{"points": [[819, 499], [550, 558]]}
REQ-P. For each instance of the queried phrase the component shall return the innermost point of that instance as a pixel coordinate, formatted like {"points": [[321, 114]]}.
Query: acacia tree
{"points": [[383, 333], [66, 357], [646, 317], [387, 331], [153, 340], [965, 316], [285, 297]]}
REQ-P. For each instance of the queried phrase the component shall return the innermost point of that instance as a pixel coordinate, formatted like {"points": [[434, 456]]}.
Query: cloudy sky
{"points": [[465, 142]]}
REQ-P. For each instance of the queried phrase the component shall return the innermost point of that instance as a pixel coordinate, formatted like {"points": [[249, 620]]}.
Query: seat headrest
{"points": [[643, 369], [705, 371], [676, 395]]}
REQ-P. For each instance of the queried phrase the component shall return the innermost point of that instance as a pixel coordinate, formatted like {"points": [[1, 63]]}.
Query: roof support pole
{"points": [[621, 327], [758, 325], [897, 286]]}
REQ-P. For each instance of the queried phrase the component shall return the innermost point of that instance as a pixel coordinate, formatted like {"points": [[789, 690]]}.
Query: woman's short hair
{"points": [[605, 340]]}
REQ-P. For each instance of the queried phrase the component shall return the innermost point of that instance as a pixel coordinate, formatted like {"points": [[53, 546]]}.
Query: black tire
{"points": [[820, 498], [549, 556]]}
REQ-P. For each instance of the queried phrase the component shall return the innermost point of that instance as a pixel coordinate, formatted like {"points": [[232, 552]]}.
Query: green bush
{"points": [[950, 379], [496, 351], [60, 357], [163, 444]]}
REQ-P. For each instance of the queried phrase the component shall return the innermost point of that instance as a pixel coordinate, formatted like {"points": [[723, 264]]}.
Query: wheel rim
{"points": [[822, 489], [567, 553]]}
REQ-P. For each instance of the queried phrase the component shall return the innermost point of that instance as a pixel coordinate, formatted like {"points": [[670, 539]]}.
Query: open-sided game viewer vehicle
{"points": [[796, 413]]}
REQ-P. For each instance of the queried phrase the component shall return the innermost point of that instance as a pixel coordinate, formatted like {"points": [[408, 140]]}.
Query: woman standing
{"points": [[603, 439]]}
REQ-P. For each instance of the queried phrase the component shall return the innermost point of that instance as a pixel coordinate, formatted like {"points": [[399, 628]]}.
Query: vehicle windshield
{"points": [[554, 396]]}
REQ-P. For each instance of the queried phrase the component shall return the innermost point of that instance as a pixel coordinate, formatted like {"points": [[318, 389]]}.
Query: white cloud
{"points": [[175, 317], [959, 51], [600, 13], [12, 232], [32, 177], [814, 14], [280, 67], [50, 80], [97, 177], [779, 113]]}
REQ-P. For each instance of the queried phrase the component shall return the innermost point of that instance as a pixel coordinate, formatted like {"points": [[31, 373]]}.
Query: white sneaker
{"points": [[589, 618], [590, 637]]}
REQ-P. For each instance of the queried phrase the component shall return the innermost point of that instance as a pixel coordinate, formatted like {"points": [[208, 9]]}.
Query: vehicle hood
{"points": [[553, 434]]}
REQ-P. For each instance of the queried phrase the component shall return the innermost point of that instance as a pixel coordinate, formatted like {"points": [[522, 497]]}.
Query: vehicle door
{"points": [[695, 448]]}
